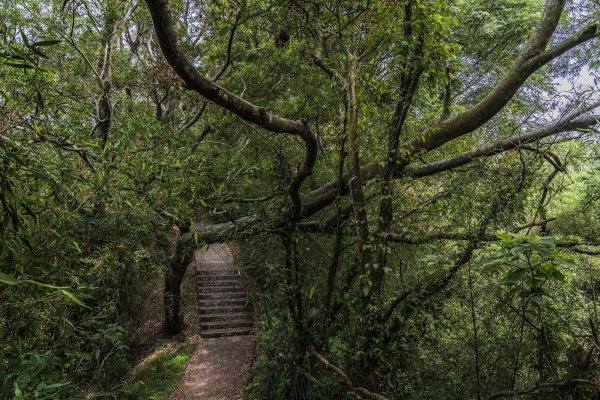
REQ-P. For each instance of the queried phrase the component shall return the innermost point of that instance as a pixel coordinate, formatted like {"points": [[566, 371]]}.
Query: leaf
{"points": [[516, 275], [559, 276], [312, 290], [43, 43], [8, 280], [518, 250], [45, 285], [492, 264], [548, 240], [544, 251], [73, 298], [27, 209], [503, 236], [39, 53], [24, 38], [27, 243], [84, 356], [19, 65], [20, 55], [56, 385], [567, 261]]}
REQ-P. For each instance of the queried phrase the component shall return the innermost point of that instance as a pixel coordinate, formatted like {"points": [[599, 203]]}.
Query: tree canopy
{"points": [[413, 187]]}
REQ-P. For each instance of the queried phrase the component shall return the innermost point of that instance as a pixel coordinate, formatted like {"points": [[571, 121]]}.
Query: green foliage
{"points": [[534, 262], [84, 217], [77, 258], [27, 55]]}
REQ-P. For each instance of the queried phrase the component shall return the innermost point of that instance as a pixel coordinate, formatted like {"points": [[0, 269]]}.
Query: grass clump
{"points": [[158, 377]]}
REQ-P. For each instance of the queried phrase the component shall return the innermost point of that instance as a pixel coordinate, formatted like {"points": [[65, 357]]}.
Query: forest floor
{"points": [[216, 370]]}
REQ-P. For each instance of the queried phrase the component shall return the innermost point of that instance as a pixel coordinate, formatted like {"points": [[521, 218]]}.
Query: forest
{"points": [[410, 189]]}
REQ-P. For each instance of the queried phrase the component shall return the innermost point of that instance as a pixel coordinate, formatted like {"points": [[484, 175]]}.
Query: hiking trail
{"points": [[225, 346]]}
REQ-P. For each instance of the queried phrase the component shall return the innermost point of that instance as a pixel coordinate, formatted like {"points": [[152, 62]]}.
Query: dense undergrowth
{"points": [[76, 341]]}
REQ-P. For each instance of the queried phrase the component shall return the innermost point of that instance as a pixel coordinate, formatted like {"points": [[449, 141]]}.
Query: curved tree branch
{"points": [[500, 147], [167, 38], [533, 56]]}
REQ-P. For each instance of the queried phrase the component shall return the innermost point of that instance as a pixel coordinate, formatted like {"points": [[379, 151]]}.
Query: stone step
{"points": [[222, 302], [234, 280], [227, 316], [222, 295], [217, 272], [225, 332], [225, 309], [219, 278], [220, 289], [234, 323], [217, 283]]}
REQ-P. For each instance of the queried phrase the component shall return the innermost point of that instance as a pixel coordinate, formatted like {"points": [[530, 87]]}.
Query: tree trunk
{"points": [[180, 260], [356, 189]]}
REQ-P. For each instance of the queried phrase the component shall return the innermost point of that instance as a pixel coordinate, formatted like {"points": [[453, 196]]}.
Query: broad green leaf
{"points": [[549, 240], [46, 285], [517, 275], [544, 251], [73, 298], [519, 250], [503, 236], [559, 276], [8, 280]]}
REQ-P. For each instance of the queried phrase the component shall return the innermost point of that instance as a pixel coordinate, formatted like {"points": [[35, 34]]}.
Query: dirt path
{"points": [[216, 370]]}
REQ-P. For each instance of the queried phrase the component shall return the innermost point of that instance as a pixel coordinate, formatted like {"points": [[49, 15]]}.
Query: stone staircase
{"points": [[222, 299]]}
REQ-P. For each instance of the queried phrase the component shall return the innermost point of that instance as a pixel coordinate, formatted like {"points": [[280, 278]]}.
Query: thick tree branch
{"points": [[531, 59], [217, 233], [370, 171], [574, 246], [356, 187], [167, 38], [500, 147], [399, 299], [409, 84], [328, 70], [325, 195], [533, 56]]}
